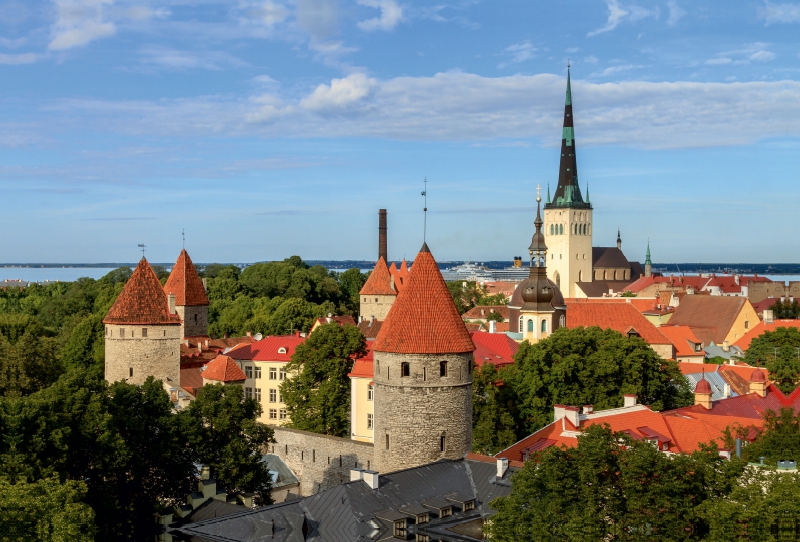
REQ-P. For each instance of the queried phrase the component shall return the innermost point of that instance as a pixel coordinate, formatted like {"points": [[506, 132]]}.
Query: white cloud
{"points": [[22, 58], [320, 18], [720, 60], [467, 107], [591, 59], [519, 52], [614, 69], [755, 52], [270, 13], [779, 13], [176, 59], [145, 13], [676, 13], [391, 14], [12, 44], [617, 13], [341, 93], [762, 56], [79, 22]]}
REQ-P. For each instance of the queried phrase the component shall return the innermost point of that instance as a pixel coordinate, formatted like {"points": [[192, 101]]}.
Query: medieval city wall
{"points": [[759, 291], [375, 305], [194, 320], [320, 461]]}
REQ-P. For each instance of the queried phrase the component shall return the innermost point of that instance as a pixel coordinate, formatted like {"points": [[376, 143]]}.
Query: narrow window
{"points": [[273, 373], [521, 324], [388, 373], [369, 421], [248, 393], [424, 374], [746, 324], [122, 332], [530, 325], [282, 374], [282, 414], [544, 326], [195, 319], [257, 394], [130, 371], [273, 414], [469, 367], [376, 300], [144, 332], [442, 443], [370, 391], [405, 369], [313, 456], [248, 372], [387, 441], [442, 368], [257, 372], [273, 395]]}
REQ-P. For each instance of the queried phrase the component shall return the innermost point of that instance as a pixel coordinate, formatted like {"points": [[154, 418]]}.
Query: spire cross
{"points": [[425, 211], [538, 192]]}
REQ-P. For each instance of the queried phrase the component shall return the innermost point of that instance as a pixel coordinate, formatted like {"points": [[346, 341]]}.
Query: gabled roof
{"points": [[716, 314], [684, 340], [184, 282], [278, 348], [223, 369], [363, 367], [379, 281], [609, 257], [142, 301], [599, 288], [669, 282], [761, 327], [481, 312], [622, 317], [370, 328], [749, 405], [423, 318]]}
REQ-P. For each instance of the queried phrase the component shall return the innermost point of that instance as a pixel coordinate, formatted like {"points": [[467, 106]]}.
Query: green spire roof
{"points": [[548, 193], [587, 193], [647, 258], [569, 90]]}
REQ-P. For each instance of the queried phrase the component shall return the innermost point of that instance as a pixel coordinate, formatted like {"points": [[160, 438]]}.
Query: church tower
{"points": [[142, 332], [422, 375], [191, 301], [567, 217], [537, 307]]}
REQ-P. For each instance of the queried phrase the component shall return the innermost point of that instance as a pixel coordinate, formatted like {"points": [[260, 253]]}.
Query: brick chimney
{"points": [[171, 298], [630, 400], [382, 244]]}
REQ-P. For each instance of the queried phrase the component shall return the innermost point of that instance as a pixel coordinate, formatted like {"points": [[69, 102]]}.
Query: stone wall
{"points": [[375, 305], [414, 412], [759, 291], [320, 461], [144, 350], [194, 320]]}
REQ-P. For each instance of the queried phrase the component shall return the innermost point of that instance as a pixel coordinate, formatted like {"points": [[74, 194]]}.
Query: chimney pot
{"points": [[492, 326], [356, 474], [371, 478], [588, 409], [171, 298], [630, 400]]}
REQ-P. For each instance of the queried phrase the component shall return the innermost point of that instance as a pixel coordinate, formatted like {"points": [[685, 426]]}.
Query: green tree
{"points": [[779, 351], [220, 426], [45, 510], [351, 282], [786, 309], [495, 316], [779, 439], [611, 487], [28, 364], [493, 425], [317, 390], [590, 366], [85, 345]]}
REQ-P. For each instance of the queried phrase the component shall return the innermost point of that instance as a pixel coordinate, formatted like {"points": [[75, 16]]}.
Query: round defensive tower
{"points": [[423, 375], [142, 332]]}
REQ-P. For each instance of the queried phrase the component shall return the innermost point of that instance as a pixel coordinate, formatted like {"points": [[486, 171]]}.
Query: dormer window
{"points": [[281, 350]]}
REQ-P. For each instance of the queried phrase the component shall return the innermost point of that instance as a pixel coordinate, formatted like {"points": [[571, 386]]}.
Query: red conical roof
{"points": [[141, 301], [758, 376], [423, 318], [379, 281], [703, 386], [223, 369], [185, 283]]}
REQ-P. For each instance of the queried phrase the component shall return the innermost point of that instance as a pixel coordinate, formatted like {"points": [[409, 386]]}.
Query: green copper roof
{"points": [[569, 90], [548, 193], [568, 135], [647, 258], [587, 193]]}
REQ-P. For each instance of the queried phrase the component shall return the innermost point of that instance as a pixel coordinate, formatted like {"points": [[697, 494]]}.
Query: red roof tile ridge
{"points": [[379, 281], [141, 301], [423, 318], [185, 283]]}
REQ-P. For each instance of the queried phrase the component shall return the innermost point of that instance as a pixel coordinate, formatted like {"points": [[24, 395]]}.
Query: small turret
{"points": [[702, 393], [619, 240], [648, 264]]}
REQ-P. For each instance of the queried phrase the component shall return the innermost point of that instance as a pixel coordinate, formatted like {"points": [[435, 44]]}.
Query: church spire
{"points": [[647, 256], [568, 192]]}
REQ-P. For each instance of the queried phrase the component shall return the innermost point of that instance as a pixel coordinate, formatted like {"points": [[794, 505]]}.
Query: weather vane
{"points": [[538, 192], [425, 211], [183, 235], [142, 246]]}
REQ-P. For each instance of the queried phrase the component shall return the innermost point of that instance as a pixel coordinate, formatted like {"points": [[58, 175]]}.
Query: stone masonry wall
{"points": [[188, 326], [320, 461], [759, 291], [157, 354], [417, 410], [375, 305]]}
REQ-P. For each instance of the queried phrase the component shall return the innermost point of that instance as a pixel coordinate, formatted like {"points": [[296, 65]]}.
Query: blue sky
{"points": [[268, 128]]}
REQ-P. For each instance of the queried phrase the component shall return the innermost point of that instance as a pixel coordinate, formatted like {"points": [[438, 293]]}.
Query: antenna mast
{"points": [[183, 235], [425, 211]]}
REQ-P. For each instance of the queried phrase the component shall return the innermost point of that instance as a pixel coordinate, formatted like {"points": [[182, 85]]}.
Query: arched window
{"points": [[530, 325], [551, 229], [561, 229], [562, 321], [558, 281], [544, 326], [580, 276], [442, 368], [521, 326]]}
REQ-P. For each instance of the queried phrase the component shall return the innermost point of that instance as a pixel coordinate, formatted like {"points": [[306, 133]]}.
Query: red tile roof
{"points": [[423, 318], [363, 367], [622, 317], [760, 328], [191, 380], [481, 312], [748, 406], [710, 317], [379, 281], [184, 282], [684, 340], [142, 301], [496, 348], [223, 369], [278, 348], [670, 282], [341, 320]]}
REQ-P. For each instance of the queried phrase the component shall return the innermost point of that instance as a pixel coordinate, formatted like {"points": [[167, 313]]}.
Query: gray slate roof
{"points": [[714, 379], [346, 513]]}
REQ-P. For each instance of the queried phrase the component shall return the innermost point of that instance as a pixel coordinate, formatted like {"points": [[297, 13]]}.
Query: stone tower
{"points": [[191, 301], [567, 217], [423, 375], [537, 307], [142, 334]]}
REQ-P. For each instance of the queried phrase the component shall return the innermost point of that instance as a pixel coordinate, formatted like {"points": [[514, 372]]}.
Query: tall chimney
{"points": [[382, 250]]}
